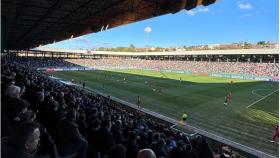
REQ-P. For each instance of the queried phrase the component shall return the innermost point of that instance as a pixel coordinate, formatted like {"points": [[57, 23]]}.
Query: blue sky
{"points": [[226, 21]]}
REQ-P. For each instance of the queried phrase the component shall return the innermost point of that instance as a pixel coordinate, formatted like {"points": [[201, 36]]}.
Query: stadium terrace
{"points": [[64, 99], [213, 101]]}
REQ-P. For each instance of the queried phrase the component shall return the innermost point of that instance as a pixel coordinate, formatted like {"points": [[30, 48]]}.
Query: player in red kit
{"points": [[229, 90], [138, 102], [229, 96], [276, 134]]}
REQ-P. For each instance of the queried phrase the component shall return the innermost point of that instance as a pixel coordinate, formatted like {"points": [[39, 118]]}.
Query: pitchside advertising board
{"points": [[225, 75], [275, 79], [62, 69], [246, 77]]}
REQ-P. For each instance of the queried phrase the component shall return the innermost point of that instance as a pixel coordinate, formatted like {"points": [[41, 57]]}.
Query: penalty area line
{"points": [[254, 92], [262, 98]]}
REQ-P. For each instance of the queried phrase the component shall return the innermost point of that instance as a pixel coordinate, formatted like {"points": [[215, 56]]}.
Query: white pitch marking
{"points": [[253, 92], [153, 114], [262, 98]]}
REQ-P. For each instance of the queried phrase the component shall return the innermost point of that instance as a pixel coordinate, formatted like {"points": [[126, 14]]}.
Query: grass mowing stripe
{"points": [[225, 126], [262, 98], [201, 96]]}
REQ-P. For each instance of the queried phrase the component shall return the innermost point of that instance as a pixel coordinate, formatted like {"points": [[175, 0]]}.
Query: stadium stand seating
{"points": [[249, 68], [67, 120], [44, 62]]}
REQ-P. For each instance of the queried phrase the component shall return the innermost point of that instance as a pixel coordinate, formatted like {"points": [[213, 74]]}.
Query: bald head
{"points": [[13, 91], [146, 153]]}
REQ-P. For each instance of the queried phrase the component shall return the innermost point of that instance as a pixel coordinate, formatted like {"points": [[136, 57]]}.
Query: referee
{"points": [[184, 117]]}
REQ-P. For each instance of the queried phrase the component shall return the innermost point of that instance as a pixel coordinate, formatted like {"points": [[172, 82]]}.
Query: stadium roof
{"points": [[200, 52], [28, 24]]}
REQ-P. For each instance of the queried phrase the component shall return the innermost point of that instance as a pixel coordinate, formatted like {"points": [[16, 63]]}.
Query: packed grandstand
{"points": [[97, 127], [268, 68], [74, 121], [248, 68], [82, 112]]}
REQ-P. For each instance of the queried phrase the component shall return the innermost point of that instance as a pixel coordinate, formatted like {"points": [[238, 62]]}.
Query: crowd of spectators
{"points": [[196, 67], [42, 117], [45, 62], [248, 68]]}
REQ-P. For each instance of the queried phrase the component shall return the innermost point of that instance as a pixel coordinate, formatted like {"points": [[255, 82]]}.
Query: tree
{"points": [[158, 49], [247, 45], [131, 46], [261, 43]]}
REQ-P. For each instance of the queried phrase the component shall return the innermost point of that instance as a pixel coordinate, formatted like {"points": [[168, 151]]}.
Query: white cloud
{"points": [[191, 13], [200, 10], [203, 10], [82, 40], [245, 6]]}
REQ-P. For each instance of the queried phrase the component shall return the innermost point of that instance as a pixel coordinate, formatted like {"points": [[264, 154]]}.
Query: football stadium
{"points": [[203, 101]]}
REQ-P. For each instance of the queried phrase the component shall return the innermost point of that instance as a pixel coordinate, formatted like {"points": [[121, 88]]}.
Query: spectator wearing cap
{"points": [[68, 138], [146, 153], [23, 141]]}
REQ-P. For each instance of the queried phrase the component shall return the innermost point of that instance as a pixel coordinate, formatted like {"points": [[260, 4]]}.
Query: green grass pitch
{"points": [[202, 97]]}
